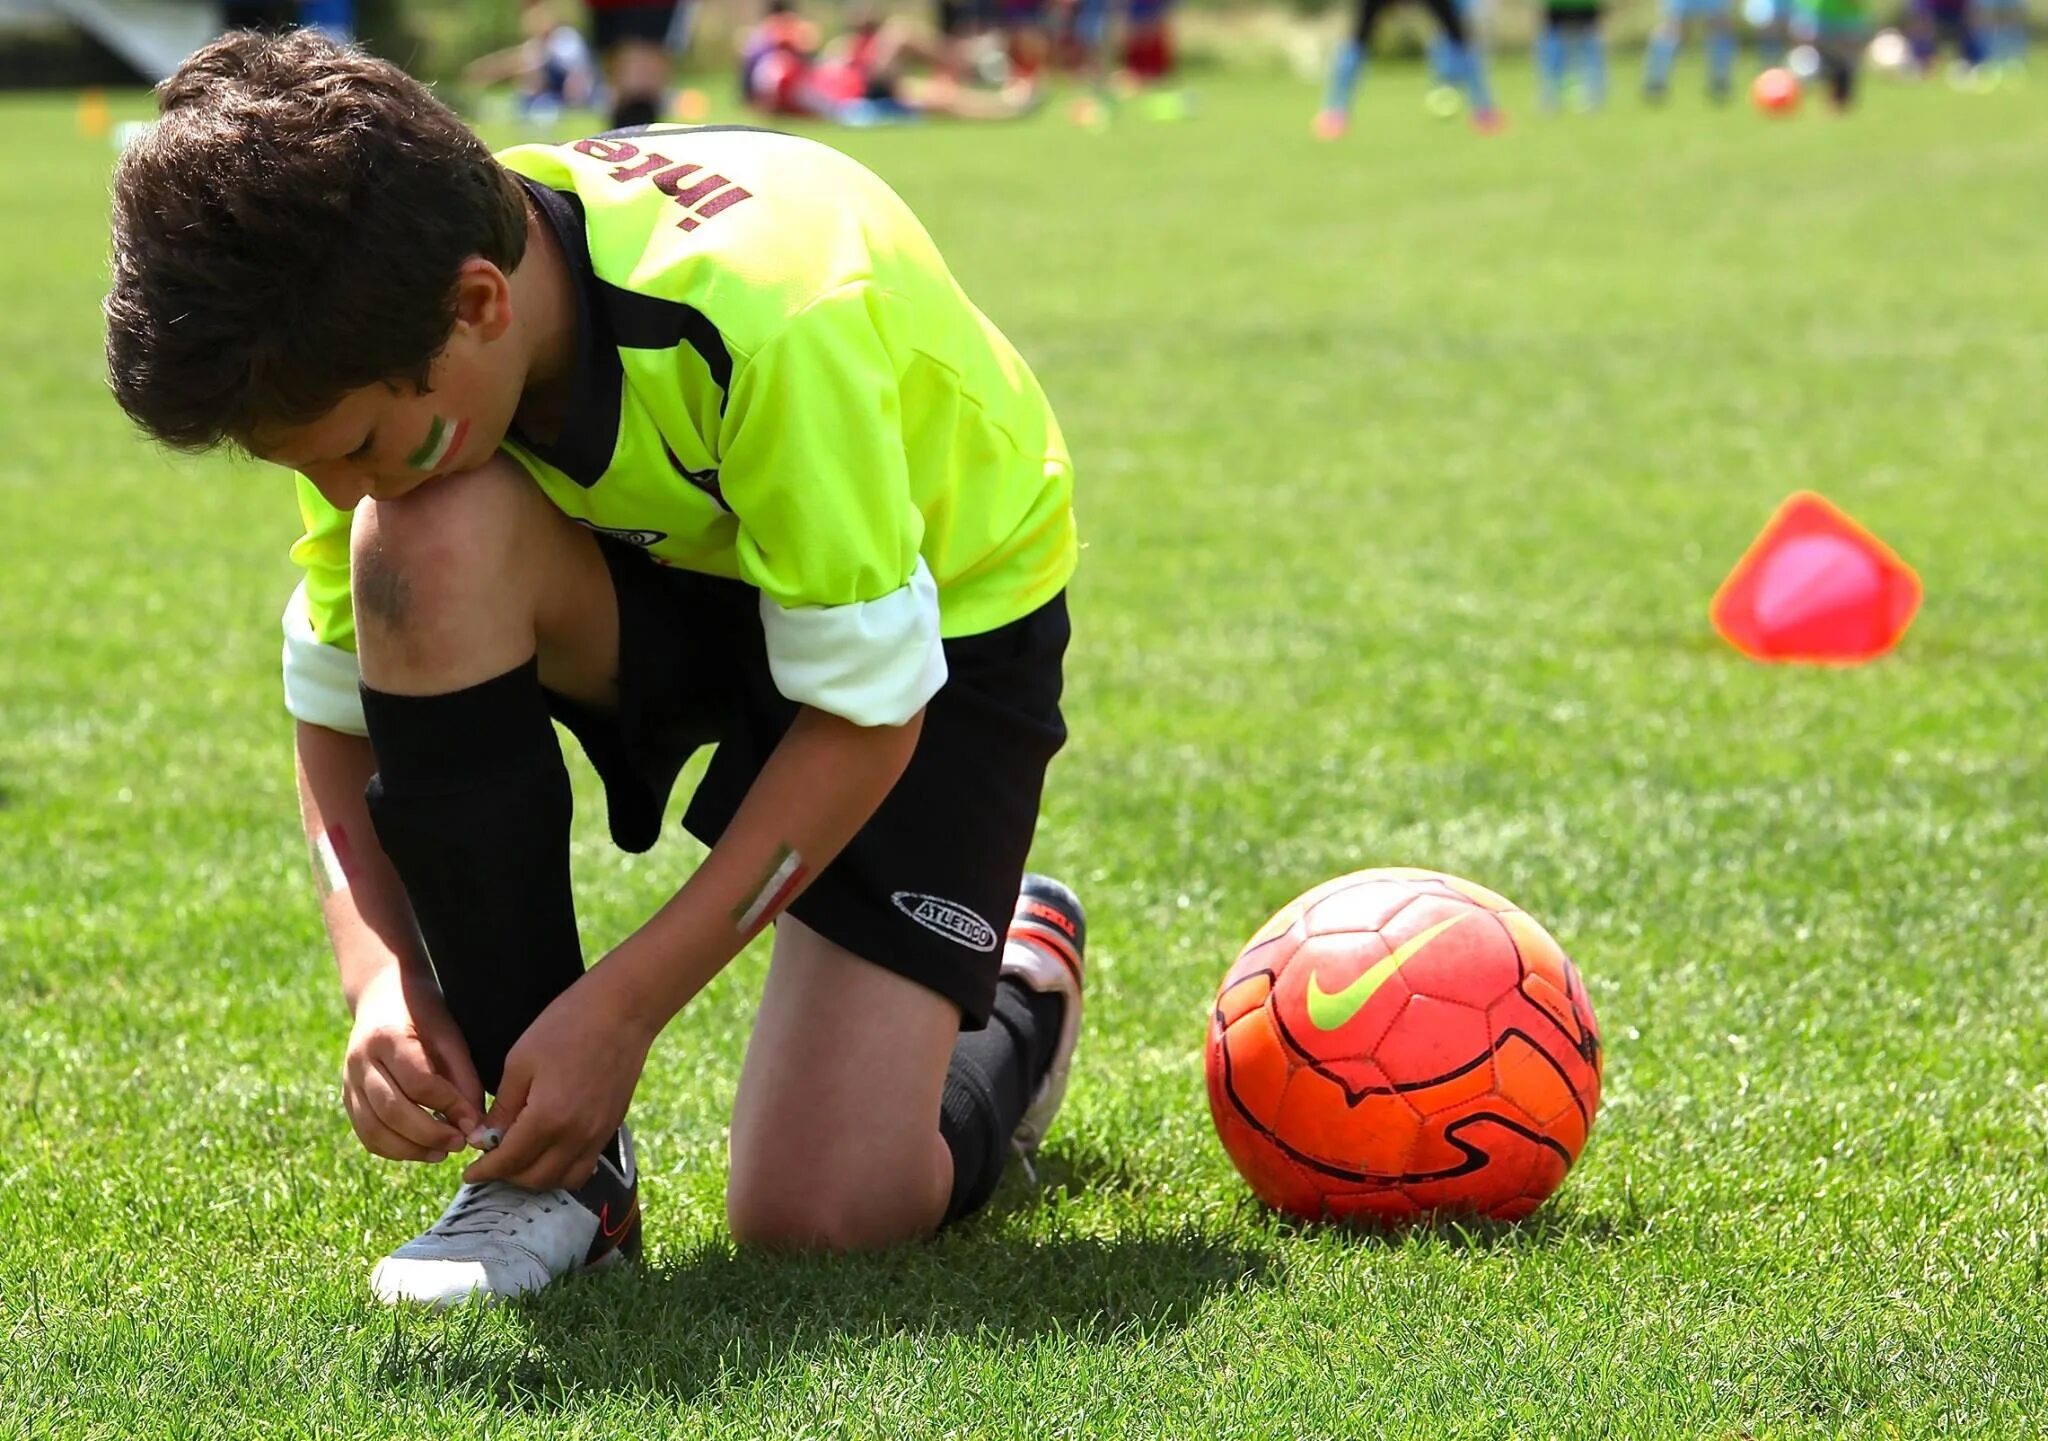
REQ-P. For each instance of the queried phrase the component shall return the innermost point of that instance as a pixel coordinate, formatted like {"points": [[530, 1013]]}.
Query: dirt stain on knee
{"points": [[381, 589]]}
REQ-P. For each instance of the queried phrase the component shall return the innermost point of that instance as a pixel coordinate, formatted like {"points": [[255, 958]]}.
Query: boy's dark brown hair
{"points": [[289, 231]]}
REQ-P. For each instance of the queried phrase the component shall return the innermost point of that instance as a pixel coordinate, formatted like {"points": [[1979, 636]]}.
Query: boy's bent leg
{"points": [[835, 1132], [470, 592], [839, 1139], [866, 1114]]}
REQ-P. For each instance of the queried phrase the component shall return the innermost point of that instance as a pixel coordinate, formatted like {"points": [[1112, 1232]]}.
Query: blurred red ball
{"points": [[1775, 92]]}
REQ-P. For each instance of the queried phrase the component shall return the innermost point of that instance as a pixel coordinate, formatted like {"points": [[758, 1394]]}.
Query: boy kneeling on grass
{"points": [[677, 437]]}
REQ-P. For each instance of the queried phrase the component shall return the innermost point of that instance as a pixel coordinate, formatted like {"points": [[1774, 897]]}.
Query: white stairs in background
{"points": [[151, 35]]}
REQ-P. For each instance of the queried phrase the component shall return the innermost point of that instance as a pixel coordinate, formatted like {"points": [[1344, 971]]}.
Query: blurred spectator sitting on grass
{"points": [[553, 66], [863, 77]]}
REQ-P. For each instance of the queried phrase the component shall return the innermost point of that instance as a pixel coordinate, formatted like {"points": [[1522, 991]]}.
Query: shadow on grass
{"points": [[1549, 1229], [710, 1319], [713, 1318]]}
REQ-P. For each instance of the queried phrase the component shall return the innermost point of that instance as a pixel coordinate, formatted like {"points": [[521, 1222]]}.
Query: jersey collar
{"points": [[590, 428]]}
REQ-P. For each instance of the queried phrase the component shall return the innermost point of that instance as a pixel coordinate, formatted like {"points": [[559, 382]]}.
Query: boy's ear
{"points": [[483, 299]]}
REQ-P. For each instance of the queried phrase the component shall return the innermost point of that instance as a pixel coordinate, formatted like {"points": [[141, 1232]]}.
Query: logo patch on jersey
{"points": [[704, 480], [641, 538], [947, 918], [700, 196]]}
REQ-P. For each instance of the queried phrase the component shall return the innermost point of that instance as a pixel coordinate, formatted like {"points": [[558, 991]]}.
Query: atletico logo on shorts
{"points": [[947, 918]]}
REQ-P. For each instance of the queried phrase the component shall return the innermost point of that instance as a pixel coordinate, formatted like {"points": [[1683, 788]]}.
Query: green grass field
{"points": [[1408, 468]]}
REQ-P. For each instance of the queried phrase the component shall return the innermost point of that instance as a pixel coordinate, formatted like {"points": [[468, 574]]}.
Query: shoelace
{"points": [[493, 1206]]}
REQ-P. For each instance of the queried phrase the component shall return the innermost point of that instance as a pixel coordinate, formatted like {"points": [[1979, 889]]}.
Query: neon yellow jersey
{"points": [[779, 381]]}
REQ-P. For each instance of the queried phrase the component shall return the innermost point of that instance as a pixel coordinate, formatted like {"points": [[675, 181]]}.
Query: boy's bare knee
{"points": [[808, 1213], [457, 519], [765, 1223], [446, 578], [412, 556]]}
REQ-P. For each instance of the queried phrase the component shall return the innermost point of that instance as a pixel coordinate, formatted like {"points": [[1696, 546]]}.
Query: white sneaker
{"points": [[497, 1240], [1048, 934]]}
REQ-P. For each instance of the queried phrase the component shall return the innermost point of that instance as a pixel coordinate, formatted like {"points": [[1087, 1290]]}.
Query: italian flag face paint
{"points": [[444, 438]]}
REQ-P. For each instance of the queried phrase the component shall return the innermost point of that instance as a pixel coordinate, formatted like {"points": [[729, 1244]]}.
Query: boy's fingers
{"points": [[451, 1059], [417, 1080], [557, 1166], [510, 1104], [379, 1139], [522, 1147], [468, 1114], [397, 1108]]}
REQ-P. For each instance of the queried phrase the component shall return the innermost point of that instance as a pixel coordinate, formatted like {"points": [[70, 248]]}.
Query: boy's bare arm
{"points": [[570, 1078], [368, 917], [819, 787], [408, 1084]]}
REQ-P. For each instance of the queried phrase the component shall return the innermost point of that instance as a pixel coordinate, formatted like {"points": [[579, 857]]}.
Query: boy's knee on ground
{"points": [[798, 1208], [800, 1219]]}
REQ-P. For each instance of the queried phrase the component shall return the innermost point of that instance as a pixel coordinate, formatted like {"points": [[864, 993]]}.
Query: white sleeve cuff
{"points": [[875, 662], [319, 680]]}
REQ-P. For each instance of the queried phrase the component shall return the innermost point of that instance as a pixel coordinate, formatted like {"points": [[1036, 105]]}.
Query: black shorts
{"points": [[611, 24], [1444, 12], [956, 18], [1572, 17], [926, 888]]}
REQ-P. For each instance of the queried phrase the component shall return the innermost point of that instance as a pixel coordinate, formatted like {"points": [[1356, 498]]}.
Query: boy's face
{"points": [[384, 440]]}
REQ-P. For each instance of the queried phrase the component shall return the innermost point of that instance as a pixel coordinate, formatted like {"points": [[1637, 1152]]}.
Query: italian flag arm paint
{"points": [[444, 437], [774, 892], [331, 867]]}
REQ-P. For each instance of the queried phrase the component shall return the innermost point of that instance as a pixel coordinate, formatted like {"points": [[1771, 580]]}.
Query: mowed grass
{"points": [[1408, 466]]}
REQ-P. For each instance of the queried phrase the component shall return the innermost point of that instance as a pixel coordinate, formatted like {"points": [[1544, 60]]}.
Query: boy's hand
{"points": [[406, 1059], [568, 1082]]}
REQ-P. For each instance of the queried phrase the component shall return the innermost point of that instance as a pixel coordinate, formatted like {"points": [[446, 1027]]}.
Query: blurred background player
{"points": [[1837, 30], [1081, 46], [1570, 48], [552, 67], [1444, 99], [1148, 55], [635, 39], [1462, 58], [2005, 34], [1716, 19], [1771, 22], [1930, 22], [774, 58]]}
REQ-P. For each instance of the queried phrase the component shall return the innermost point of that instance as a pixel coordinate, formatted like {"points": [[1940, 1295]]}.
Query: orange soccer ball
{"points": [[1775, 91], [1399, 1042]]}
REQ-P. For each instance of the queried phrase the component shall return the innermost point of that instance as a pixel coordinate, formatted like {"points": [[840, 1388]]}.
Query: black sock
{"points": [[988, 1085], [636, 110], [471, 802]]}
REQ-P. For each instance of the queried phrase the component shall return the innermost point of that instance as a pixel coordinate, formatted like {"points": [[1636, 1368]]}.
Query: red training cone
{"points": [[1816, 586]]}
